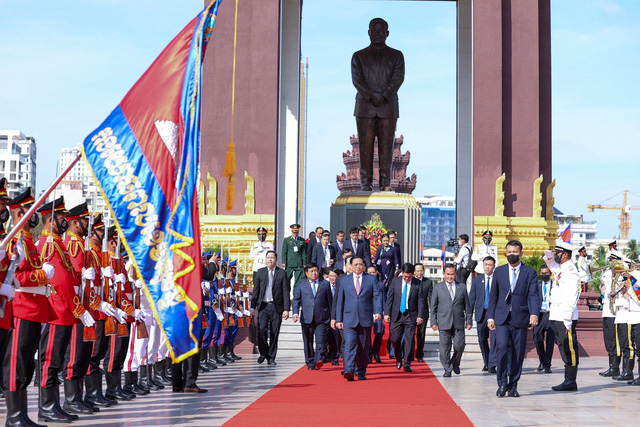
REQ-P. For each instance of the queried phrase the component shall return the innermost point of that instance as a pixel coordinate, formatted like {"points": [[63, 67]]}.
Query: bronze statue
{"points": [[377, 72]]}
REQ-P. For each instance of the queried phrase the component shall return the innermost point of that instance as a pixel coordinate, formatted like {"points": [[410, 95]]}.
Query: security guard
{"points": [[563, 312], [259, 250], [294, 255]]}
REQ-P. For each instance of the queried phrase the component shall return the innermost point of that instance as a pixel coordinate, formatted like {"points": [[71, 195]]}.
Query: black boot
{"points": [[608, 372], [232, 354], [160, 369], [1, 392], [71, 404], [94, 396], [219, 359], [58, 408], [615, 370], [202, 366], [211, 357], [637, 380], [14, 409], [144, 379], [225, 354], [24, 413], [627, 372], [114, 391], [569, 384], [48, 410], [165, 371], [81, 398], [168, 372], [151, 379], [131, 384]]}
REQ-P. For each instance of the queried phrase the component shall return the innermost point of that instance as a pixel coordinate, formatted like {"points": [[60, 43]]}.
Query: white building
{"points": [[432, 261], [78, 185], [17, 161]]}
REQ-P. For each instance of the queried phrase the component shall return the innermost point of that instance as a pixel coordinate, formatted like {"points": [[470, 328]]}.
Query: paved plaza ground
{"points": [[599, 401]]}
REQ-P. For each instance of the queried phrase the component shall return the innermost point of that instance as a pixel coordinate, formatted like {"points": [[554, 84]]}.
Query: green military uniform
{"points": [[294, 255]]}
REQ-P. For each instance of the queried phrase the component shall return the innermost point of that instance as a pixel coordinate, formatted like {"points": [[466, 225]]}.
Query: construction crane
{"points": [[625, 217]]}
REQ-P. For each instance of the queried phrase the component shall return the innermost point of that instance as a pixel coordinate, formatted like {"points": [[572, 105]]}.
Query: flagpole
{"points": [[38, 202]]}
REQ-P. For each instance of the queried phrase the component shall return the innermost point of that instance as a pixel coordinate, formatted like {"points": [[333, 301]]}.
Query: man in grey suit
{"points": [[450, 315], [405, 310]]}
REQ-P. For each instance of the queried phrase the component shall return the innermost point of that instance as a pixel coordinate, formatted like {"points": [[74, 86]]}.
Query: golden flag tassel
{"points": [[229, 171]]}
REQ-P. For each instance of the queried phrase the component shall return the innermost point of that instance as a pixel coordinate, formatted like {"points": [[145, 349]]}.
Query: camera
{"points": [[454, 243]]}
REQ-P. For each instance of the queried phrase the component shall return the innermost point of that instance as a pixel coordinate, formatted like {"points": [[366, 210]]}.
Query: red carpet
{"points": [[323, 397]]}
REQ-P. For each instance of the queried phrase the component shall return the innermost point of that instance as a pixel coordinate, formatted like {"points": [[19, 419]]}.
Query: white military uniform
{"points": [[259, 254], [583, 269], [482, 251], [565, 291]]}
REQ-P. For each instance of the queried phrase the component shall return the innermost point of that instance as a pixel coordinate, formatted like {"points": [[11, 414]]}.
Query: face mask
{"points": [[83, 228], [487, 240], [4, 216], [513, 259], [33, 221], [545, 277], [61, 225], [557, 259], [262, 237]]}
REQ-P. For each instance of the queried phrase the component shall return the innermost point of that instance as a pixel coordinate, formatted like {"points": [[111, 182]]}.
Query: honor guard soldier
{"points": [[609, 328], [83, 337], [583, 268], [259, 251], [30, 311], [209, 270], [217, 307], [623, 329], [563, 311], [484, 250], [120, 298], [65, 302], [7, 291], [294, 255], [234, 314], [633, 294], [93, 379]]}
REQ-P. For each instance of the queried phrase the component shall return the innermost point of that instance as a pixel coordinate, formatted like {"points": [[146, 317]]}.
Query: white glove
{"points": [[89, 274], [7, 290], [138, 284], [49, 269], [219, 314], [130, 278], [139, 315], [107, 271], [107, 308], [120, 278], [20, 250], [87, 320], [568, 324], [239, 313], [149, 320], [121, 316], [3, 254]]}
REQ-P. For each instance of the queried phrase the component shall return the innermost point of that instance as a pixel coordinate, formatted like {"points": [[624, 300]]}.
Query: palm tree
{"points": [[633, 250], [534, 261]]}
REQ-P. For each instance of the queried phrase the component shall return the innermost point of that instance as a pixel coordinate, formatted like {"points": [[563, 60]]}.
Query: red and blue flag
{"points": [[145, 159], [566, 234]]}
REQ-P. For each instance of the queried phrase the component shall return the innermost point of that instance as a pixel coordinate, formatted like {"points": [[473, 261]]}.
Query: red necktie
{"points": [[358, 285]]}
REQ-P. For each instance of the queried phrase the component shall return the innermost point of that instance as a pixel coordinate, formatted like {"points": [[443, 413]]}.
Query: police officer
{"points": [[294, 255], [563, 311], [259, 251]]}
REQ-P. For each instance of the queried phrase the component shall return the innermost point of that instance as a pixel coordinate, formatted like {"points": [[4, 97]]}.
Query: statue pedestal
{"points": [[398, 212]]}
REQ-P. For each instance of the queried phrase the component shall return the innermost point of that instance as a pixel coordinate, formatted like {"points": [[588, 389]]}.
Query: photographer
{"points": [[463, 259]]}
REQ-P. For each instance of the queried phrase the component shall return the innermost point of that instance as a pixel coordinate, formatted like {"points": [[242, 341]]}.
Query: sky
{"points": [[65, 65]]}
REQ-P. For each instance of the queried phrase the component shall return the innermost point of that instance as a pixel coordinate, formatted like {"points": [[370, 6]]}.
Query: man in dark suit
{"points": [[339, 250], [324, 255], [271, 299], [392, 241], [514, 305], [405, 310], [314, 296], [377, 72], [421, 330], [312, 242], [358, 247], [335, 336], [450, 315], [543, 334], [359, 304], [479, 300]]}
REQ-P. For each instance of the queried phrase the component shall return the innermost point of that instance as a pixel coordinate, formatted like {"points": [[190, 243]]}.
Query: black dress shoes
{"points": [[485, 369], [492, 370], [271, 362], [362, 377], [502, 391], [310, 367], [335, 363], [513, 392], [260, 359], [398, 365], [420, 360], [348, 376], [456, 367], [540, 367], [195, 389], [547, 370], [408, 369], [376, 357], [446, 374]]}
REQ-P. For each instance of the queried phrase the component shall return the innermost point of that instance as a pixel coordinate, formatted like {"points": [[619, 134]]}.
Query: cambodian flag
{"points": [[145, 158], [634, 285], [443, 256], [566, 234]]}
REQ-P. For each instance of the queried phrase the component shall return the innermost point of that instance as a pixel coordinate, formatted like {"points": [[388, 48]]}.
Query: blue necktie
{"points": [[486, 293], [313, 286], [514, 279], [403, 304], [545, 305]]}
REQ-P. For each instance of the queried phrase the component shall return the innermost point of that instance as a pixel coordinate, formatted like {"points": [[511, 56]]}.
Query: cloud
{"points": [[609, 6]]}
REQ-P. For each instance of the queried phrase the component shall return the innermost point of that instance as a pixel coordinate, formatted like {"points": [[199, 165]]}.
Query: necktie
{"points": [[333, 289], [403, 304], [452, 291], [355, 247], [358, 285], [486, 293], [270, 278], [514, 279], [313, 286], [544, 296]]}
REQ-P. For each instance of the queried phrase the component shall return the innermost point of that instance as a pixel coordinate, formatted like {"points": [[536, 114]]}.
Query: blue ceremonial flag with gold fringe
{"points": [[145, 159]]}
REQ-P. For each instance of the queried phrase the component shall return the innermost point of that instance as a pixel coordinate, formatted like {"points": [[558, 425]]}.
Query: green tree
{"points": [[599, 260], [534, 261], [633, 250]]}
